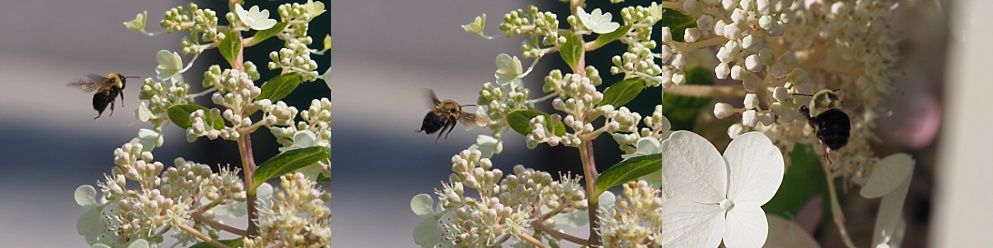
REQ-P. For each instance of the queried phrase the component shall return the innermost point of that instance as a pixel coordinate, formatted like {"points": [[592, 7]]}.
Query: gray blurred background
{"points": [[385, 54]]}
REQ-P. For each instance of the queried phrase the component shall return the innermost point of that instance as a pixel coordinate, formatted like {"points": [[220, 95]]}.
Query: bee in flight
{"points": [[445, 114], [831, 125], [106, 88]]}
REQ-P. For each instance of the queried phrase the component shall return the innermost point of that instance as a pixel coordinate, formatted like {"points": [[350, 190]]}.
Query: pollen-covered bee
{"points": [[831, 125], [107, 89], [445, 114]]}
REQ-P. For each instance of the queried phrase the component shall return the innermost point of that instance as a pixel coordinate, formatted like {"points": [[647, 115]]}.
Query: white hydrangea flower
{"points": [[170, 65], [428, 232], [890, 179], [253, 18], [487, 146], [597, 21], [508, 68], [718, 197], [149, 139], [784, 233]]}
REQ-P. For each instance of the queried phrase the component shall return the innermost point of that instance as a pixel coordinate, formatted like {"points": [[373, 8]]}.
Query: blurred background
{"points": [[385, 54]]}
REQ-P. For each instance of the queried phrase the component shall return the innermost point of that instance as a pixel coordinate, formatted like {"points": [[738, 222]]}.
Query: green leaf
{"points": [[682, 111], [623, 92], [559, 129], [626, 171], [230, 47], [180, 114], [280, 86], [265, 34], [804, 179], [571, 50], [604, 39], [289, 161], [519, 120], [218, 122], [238, 242], [677, 23], [321, 178]]}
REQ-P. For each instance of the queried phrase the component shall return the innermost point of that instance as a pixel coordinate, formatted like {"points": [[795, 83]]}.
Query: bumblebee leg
{"points": [[122, 97], [827, 151], [112, 108], [98, 114], [451, 126], [439, 137]]}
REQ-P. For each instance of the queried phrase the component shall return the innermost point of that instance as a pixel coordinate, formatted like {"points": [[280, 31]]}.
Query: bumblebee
{"points": [[445, 114], [830, 123], [106, 88]]}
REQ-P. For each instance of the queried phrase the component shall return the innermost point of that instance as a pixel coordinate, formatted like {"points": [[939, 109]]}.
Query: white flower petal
{"points": [[889, 229], [86, 196], [693, 168], [597, 21], [688, 223], [169, 64], [141, 243], [89, 222], [264, 192], [508, 68], [427, 233], [305, 138], [746, 227], [653, 179], [648, 145], [887, 174], [253, 18], [784, 233], [756, 169], [422, 205]]}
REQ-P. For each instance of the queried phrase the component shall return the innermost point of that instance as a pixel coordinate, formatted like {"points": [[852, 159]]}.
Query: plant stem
{"points": [[839, 217], [555, 233], [590, 172], [213, 223], [531, 240], [706, 90], [200, 235], [248, 165]]}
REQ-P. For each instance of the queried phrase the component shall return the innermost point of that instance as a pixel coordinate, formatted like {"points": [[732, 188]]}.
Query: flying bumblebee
{"points": [[445, 114], [106, 88], [831, 125]]}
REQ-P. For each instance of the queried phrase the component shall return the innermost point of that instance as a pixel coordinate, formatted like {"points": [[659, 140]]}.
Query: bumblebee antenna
{"points": [[801, 94], [468, 105]]}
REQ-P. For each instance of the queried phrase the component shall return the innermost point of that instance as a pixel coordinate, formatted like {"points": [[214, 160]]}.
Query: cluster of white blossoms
{"points": [[779, 51], [144, 200], [163, 199], [505, 208], [295, 214]]}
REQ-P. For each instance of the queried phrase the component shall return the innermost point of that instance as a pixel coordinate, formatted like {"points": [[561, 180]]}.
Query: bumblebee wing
{"points": [[91, 83], [433, 97], [470, 119]]}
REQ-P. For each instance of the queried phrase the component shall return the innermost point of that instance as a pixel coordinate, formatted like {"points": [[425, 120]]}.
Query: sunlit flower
{"points": [[508, 68], [138, 24], [255, 19], [597, 21], [170, 65], [718, 197]]}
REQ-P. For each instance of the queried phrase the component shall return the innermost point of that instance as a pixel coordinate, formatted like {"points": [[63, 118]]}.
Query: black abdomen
{"points": [[834, 128], [101, 99], [432, 122]]}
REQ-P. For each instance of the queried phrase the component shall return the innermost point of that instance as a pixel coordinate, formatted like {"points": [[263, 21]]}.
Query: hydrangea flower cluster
{"points": [[144, 200], [779, 51]]}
